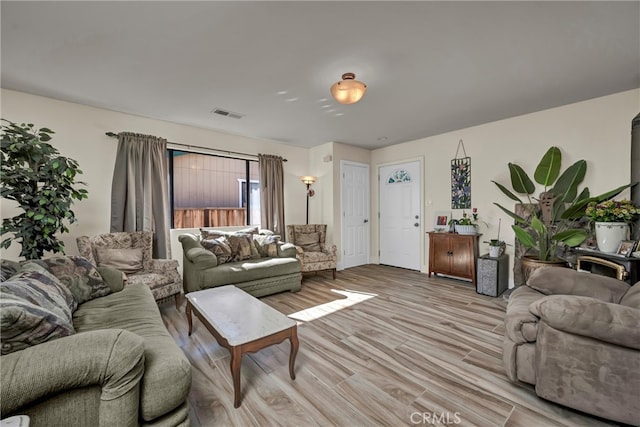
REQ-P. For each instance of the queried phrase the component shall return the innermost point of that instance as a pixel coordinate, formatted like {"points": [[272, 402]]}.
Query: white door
{"points": [[400, 215], [355, 213]]}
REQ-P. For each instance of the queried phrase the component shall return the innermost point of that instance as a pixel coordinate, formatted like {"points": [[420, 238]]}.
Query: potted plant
{"points": [[497, 246], [611, 220], [42, 182], [553, 219], [466, 224]]}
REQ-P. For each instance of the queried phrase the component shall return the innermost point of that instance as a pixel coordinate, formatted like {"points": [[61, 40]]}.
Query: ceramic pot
{"points": [[610, 234], [465, 229], [495, 251], [530, 264]]}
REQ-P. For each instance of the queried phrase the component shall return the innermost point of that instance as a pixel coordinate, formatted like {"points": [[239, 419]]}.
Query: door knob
{"points": [[366, 221], [416, 225]]}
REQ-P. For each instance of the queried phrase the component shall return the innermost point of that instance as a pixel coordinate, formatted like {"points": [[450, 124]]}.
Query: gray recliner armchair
{"points": [[576, 337]]}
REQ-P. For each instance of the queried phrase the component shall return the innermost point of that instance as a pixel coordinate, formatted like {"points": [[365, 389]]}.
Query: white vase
{"points": [[466, 229], [610, 234]]}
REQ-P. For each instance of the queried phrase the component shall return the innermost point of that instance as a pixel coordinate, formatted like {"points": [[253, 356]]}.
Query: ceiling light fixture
{"points": [[348, 90]]}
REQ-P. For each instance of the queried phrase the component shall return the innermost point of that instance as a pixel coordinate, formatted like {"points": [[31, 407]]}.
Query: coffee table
{"points": [[242, 324]]}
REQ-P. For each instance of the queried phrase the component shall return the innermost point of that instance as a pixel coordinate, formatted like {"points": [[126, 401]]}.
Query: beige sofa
{"points": [[576, 337], [117, 367]]}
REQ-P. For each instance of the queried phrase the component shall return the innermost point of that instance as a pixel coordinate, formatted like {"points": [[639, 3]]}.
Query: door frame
{"points": [[340, 265], [420, 160]]}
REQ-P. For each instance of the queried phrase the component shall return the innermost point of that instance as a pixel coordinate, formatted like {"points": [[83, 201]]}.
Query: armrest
{"points": [[520, 325], [329, 249], [113, 277], [590, 317], [161, 265], [112, 359], [195, 254]]}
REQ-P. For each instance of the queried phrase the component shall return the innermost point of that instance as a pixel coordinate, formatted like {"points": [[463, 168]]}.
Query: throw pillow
{"points": [[267, 245], [8, 268], [23, 324], [79, 275], [37, 286], [126, 260], [242, 247], [309, 242], [219, 247], [239, 241]]}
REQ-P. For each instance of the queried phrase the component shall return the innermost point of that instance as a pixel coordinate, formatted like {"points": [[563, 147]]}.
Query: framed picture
{"points": [[626, 247], [440, 220]]}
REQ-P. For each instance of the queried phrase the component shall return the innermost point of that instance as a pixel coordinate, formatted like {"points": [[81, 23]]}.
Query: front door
{"points": [[355, 213], [400, 215]]}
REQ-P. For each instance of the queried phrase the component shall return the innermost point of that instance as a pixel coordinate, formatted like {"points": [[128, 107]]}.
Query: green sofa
{"points": [[120, 367], [260, 275]]}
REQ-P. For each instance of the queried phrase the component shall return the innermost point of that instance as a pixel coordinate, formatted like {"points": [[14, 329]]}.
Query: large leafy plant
{"points": [[543, 233], [42, 182]]}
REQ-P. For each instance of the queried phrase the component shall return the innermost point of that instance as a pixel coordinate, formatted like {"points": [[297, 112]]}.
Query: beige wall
{"points": [[80, 134], [596, 130]]}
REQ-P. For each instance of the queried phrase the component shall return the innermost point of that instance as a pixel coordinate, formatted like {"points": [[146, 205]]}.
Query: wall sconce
{"points": [[308, 180]]}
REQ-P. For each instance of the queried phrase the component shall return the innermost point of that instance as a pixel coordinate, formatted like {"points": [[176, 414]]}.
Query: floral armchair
{"points": [[312, 251], [130, 252]]}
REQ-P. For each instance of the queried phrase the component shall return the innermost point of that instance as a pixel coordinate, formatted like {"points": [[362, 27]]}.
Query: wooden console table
{"points": [[453, 254]]}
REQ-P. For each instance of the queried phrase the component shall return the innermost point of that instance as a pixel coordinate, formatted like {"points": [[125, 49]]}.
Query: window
{"points": [[211, 191]]}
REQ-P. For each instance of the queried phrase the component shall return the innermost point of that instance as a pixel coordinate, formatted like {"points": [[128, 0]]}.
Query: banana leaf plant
{"points": [[543, 230]]}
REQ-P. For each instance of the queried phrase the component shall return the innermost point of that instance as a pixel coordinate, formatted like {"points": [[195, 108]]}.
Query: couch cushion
{"points": [[252, 269], [128, 260], [309, 242], [167, 375], [565, 281], [632, 297], [79, 275]]}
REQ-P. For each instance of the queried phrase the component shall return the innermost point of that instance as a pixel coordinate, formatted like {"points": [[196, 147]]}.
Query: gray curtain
{"points": [[271, 193], [139, 191]]}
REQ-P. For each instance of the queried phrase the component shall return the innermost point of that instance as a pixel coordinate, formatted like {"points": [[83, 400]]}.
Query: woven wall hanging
{"points": [[461, 180]]}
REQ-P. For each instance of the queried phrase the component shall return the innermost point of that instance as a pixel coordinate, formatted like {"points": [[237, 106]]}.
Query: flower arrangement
{"points": [[612, 211], [466, 220]]}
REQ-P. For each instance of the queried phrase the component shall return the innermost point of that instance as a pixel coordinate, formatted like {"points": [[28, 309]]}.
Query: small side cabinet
{"points": [[453, 254]]}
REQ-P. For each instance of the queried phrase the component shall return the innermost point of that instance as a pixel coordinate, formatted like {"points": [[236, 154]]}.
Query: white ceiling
{"points": [[430, 67]]}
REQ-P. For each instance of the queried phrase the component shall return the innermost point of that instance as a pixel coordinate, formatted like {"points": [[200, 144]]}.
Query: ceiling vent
{"points": [[225, 113]]}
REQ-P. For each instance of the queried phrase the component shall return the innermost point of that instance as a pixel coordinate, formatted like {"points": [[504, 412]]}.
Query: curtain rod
{"points": [[115, 135]]}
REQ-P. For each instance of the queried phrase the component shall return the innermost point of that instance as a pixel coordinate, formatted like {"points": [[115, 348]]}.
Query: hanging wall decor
{"points": [[461, 180]]}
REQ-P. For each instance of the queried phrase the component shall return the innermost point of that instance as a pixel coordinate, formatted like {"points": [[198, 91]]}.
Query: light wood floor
{"points": [[379, 346]]}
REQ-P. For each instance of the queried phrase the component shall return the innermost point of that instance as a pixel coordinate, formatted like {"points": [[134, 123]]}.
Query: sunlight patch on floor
{"points": [[351, 298]]}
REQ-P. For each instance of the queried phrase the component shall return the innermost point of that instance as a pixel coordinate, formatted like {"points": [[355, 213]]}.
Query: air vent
{"points": [[225, 113]]}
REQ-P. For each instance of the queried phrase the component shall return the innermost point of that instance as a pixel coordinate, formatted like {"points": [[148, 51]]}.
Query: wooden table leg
{"points": [[294, 351], [236, 363], [188, 311]]}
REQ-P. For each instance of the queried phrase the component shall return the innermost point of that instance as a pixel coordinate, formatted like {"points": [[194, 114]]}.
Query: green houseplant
{"points": [[553, 218], [43, 183]]}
